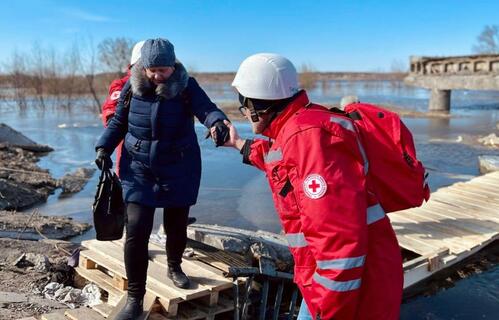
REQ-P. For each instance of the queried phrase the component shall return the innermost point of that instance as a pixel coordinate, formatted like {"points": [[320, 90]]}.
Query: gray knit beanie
{"points": [[157, 53]]}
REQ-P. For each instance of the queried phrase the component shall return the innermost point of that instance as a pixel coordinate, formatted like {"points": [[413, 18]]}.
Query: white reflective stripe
{"points": [[345, 123], [342, 263], [340, 286], [273, 155], [364, 156], [296, 240], [375, 213]]}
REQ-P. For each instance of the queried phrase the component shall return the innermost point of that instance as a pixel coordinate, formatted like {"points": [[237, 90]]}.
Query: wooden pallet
{"points": [[210, 293], [73, 314]]}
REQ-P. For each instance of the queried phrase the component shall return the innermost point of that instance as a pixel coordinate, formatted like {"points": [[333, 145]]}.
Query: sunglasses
{"points": [[243, 109]]}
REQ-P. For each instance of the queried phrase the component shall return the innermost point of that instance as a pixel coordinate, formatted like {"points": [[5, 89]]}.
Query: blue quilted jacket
{"points": [[161, 163]]}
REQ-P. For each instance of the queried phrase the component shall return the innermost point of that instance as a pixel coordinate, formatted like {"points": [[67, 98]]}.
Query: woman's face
{"points": [[159, 74]]}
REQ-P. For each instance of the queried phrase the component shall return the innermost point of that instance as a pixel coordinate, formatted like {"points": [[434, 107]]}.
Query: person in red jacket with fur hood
{"points": [[348, 264], [109, 106]]}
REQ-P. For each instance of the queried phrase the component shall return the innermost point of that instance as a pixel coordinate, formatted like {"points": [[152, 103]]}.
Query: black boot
{"points": [[132, 310], [178, 277]]}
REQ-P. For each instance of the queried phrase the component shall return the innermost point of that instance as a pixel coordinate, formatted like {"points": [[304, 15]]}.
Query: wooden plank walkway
{"points": [[458, 221]]}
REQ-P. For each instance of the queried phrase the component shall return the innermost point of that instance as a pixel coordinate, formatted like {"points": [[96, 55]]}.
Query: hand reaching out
{"points": [[234, 140]]}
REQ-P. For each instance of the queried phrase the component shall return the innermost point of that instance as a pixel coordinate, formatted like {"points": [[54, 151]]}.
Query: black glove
{"points": [[103, 160], [221, 133]]}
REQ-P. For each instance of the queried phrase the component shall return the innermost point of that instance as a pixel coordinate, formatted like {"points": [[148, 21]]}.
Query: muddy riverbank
{"points": [[23, 183], [26, 267], [19, 225]]}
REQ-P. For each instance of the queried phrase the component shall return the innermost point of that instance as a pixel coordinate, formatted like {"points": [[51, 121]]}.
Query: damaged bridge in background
{"points": [[443, 74]]}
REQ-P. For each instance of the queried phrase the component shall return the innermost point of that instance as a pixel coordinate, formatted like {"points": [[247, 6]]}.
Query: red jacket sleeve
{"points": [[254, 152], [328, 179], [109, 106]]}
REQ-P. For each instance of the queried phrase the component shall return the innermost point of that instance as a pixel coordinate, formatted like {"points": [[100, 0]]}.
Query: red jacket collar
{"points": [[300, 101]]}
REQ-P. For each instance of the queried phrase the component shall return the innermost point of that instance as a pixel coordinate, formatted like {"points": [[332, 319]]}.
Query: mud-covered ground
{"points": [[22, 276], [33, 226], [22, 182]]}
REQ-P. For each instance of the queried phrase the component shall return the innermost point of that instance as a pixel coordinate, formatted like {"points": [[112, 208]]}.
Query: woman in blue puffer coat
{"points": [[161, 164]]}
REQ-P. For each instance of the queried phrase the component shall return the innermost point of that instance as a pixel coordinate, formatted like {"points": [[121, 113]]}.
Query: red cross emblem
{"points": [[115, 95], [314, 186]]}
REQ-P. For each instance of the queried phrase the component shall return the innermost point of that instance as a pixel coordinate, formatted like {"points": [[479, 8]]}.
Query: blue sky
{"points": [[214, 35]]}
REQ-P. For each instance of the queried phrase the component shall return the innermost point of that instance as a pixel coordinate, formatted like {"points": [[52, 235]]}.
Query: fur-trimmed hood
{"points": [[168, 90]]}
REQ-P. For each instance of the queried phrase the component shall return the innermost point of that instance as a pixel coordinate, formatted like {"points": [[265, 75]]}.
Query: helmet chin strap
{"points": [[249, 104], [254, 115]]}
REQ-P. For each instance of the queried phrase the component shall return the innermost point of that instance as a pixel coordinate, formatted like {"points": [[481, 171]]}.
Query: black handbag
{"points": [[109, 208]]}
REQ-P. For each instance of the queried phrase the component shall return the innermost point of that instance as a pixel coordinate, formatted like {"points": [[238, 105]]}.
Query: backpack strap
{"points": [[128, 98], [355, 115], [187, 101]]}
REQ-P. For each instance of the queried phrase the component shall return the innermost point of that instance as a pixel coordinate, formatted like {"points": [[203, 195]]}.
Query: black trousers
{"points": [[138, 231]]}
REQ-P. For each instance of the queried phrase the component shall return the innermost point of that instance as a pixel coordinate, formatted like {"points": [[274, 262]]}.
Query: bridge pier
{"points": [[440, 100]]}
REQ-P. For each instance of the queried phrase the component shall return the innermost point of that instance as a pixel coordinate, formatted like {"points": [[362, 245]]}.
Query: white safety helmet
{"points": [[266, 76], [136, 52], [347, 100]]}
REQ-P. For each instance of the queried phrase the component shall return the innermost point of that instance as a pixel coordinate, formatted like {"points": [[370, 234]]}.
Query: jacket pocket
{"points": [[303, 275], [137, 148], [284, 193]]}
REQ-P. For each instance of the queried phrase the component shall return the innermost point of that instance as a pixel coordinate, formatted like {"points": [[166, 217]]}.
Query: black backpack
{"points": [[109, 207]]}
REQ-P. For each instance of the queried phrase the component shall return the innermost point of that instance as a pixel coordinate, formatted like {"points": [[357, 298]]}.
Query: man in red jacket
{"points": [[347, 260], [109, 106]]}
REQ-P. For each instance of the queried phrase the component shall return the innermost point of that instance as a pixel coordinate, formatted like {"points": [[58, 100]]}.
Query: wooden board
{"points": [[103, 281], [418, 272], [195, 271], [467, 215], [117, 308], [453, 227], [217, 258], [148, 304], [461, 222], [104, 309], [58, 315], [104, 261], [425, 232], [83, 313]]}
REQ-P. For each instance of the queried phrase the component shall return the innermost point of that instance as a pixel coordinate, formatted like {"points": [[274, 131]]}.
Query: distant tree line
{"points": [[46, 78]]}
